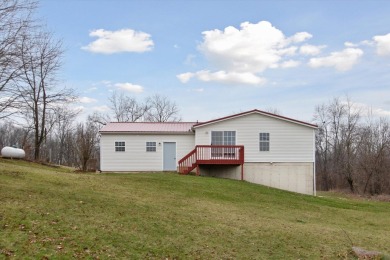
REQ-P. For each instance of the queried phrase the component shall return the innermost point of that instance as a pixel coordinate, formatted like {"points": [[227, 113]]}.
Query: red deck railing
{"points": [[212, 154]]}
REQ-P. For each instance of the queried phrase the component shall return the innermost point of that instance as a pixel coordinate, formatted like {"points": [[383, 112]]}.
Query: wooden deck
{"points": [[212, 154]]}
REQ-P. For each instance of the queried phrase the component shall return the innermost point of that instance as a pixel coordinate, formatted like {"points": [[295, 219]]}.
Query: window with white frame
{"points": [[120, 146], [264, 142], [223, 138], [150, 146]]}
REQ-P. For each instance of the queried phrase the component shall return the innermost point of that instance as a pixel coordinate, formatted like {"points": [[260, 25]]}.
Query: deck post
{"points": [[197, 170]]}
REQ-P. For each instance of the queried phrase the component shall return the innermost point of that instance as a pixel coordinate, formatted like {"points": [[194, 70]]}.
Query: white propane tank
{"points": [[11, 152]]}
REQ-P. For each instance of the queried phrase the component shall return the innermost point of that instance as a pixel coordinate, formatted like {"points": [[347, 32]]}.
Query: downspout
{"points": [[242, 171], [314, 164], [242, 165]]}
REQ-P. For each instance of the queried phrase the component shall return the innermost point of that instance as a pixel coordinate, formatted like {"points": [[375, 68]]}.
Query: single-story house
{"points": [[254, 146]]}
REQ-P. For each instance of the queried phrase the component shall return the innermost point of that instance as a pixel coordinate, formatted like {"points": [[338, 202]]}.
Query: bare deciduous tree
{"points": [[273, 110], [64, 118], [40, 56], [86, 140], [374, 159], [350, 153], [349, 144], [323, 151], [99, 118], [15, 21], [127, 109], [336, 143], [161, 109]]}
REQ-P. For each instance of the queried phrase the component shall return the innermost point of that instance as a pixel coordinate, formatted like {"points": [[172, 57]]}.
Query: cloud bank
{"points": [[241, 55], [87, 100], [382, 44], [342, 61], [129, 87], [125, 40]]}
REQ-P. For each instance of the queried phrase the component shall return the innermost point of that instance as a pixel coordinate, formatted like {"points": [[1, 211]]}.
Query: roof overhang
{"points": [[256, 111], [147, 133]]}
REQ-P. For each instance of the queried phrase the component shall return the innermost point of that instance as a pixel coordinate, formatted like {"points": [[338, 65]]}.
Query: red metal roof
{"points": [[184, 127], [148, 127], [258, 112]]}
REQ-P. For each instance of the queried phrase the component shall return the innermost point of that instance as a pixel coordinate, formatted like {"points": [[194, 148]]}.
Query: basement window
{"points": [[119, 146], [264, 142], [150, 146]]}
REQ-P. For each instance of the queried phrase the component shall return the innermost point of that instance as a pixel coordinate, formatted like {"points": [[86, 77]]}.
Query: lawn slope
{"points": [[51, 213]]}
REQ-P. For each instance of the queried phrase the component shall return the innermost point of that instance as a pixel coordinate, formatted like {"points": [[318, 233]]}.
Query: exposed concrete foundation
{"points": [[221, 171], [296, 177]]}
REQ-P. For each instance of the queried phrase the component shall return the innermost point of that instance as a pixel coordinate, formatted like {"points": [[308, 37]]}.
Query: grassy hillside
{"points": [[54, 213]]}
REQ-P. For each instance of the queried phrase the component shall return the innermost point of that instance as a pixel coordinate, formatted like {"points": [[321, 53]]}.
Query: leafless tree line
{"points": [[156, 108], [69, 142], [45, 126], [30, 59], [352, 149]]}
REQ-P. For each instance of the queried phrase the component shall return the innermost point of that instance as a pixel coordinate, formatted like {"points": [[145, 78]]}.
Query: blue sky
{"points": [[215, 58]]}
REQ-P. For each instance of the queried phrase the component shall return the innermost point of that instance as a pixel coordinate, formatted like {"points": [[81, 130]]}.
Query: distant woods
{"points": [[35, 108], [74, 143], [30, 58], [352, 149], [156, 108]]}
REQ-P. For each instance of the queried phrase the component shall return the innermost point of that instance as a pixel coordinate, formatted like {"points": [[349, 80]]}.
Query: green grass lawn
{"points": [[53, 213]]}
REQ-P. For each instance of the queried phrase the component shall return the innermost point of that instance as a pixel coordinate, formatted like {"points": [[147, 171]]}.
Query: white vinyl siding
{"points": [[290, 142], [136, 158]]}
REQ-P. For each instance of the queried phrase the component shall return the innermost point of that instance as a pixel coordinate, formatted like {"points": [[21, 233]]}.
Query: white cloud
{"points": [[92, 89], [87, 100], [130, 87], [342, 61], [241, 54], [252, 48], [198, 89], [223, 77], [365, 110], [311, 50], [381, 112], [79, 109], [382, 44], [105, 82], [125, 40], [103, 108], [350, 44], [300, 37], [367, 43], [185, 77], [4, 99], [290, 64]]}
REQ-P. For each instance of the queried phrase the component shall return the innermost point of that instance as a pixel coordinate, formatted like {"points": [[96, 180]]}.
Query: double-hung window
{"points": [[120, 146], [264, 142], [150, 146]]}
